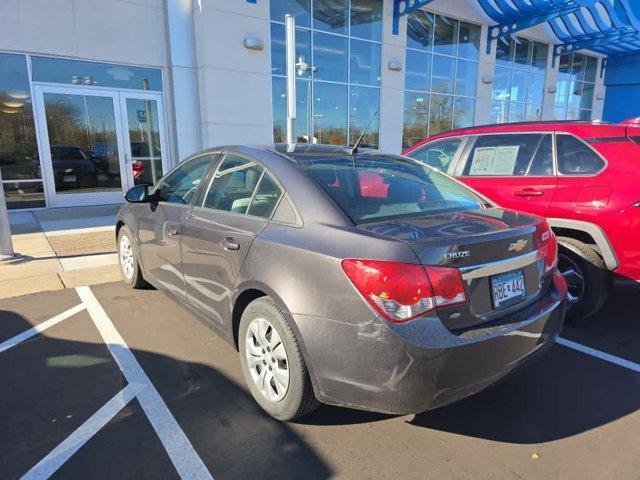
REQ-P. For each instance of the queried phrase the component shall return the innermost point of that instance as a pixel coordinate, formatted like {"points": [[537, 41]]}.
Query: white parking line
{"points": [[12, 342], [56, 458], [181, 452], [621, 362]]}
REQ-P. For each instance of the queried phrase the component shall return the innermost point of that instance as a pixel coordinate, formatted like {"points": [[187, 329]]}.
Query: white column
{"points": [[6, 244], [486, 74], [392, 82], [550, 83], [183, 77], [599, 94]]}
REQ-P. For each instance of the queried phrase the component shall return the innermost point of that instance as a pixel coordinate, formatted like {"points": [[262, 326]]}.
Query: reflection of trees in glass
{"points": [[416, 121], [18, 147], [440, 114]]}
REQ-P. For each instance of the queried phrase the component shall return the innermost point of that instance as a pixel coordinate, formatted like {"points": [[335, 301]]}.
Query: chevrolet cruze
{"points": [[346, 277]]}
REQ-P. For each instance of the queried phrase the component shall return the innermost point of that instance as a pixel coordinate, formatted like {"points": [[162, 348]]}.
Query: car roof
{"points": [[583, 129]]}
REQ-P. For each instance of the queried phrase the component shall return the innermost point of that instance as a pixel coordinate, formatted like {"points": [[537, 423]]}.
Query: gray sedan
{"points": [[350, 278]]}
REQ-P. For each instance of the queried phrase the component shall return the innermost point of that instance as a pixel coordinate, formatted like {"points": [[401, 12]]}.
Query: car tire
{"points": [[264, 336], [579, 262], [128, 260]]}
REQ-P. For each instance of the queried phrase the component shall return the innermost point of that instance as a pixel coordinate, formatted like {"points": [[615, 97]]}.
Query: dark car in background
{"points": [[350, 278]]}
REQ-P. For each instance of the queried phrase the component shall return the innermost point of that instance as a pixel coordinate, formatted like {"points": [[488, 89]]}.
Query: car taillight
{"points": [[403, 291], [547, 245]]}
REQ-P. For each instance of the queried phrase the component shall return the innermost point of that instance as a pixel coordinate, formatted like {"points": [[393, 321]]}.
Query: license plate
{"points": [[69, 179], [508, 288]]}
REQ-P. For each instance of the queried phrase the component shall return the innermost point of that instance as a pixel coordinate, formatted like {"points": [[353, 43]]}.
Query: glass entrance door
{"points": [[98, 144]]}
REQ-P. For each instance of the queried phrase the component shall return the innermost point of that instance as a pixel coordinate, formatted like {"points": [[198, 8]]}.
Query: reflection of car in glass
{"points": [[583, 176], [72, 169], [371, 280], [142, 173]]}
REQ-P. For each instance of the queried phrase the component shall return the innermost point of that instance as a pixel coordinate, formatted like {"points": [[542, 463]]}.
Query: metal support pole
{"points": [[6, 245], [290, 35]]}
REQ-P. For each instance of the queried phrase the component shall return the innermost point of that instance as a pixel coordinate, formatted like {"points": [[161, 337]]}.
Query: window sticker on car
{"points": [[494, 160], [504, 160], [482, 161]]}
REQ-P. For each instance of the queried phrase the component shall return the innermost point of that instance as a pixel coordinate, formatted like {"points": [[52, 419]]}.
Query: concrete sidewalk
{"points": [[60, 248]]}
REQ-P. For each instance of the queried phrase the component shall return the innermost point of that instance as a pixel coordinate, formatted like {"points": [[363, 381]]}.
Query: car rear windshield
{"points": [[375, 188]]}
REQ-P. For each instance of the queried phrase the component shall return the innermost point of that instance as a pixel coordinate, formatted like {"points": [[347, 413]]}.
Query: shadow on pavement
{"points": [[46, 377], [561, 394]]}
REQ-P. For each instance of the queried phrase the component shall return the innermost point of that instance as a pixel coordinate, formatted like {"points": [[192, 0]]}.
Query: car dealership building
{"points": [[99, 95]]}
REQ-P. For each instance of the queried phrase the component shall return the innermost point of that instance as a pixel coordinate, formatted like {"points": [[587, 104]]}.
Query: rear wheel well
{"points": [[239, 306], [579, 235]]}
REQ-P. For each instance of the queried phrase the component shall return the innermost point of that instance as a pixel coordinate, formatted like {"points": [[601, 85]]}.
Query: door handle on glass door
{"points": [[529, 192], [229, 244]]}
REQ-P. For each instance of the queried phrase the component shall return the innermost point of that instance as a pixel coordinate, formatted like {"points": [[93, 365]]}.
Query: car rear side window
{"points": [[510, 155], [438, 154], [575, 157], [374, 188], [241, 185]]}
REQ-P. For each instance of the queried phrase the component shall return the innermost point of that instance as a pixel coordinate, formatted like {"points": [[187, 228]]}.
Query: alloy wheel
{"points": [[267, 359], [574, 278], [126, 257]]}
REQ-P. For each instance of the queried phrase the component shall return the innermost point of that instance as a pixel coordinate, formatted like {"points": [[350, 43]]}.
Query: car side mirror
{"points": [[138, 194]]}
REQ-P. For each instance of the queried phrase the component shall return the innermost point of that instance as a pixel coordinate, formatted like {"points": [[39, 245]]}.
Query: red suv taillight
{"points": [[547, 245], [402, 291]]}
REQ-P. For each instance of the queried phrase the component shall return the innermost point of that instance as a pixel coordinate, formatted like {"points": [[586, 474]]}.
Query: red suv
{"points": [[584, 177]]}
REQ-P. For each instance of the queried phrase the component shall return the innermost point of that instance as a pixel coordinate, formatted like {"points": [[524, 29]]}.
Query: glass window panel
{"points": [[83, 142], [330, 113], [278, 51], [559, 113], [523, 52], [502, 84], [365, 63], [499, 112], [519, 85], [562, 92], [445, 35], [182, 184], [440, 113], [534, 112], [575, 93], [591, 70], [417, 71], [364, 103], [266, 198], [540, 55], [330, 59], [279, 99], [526, 147], [420, 30], [144, 141], [18, 146], [366, 19], [575, 157], [572, 114], [438, 154], [76, 72], [442, 80], [233, 184], [536, 88], [331, 15], [300, 9], [463, 112], [466, 78], [416, 118], [578, 66], [586, 99], [469, 42], [24, 195], [584, 115], [542, 163], [564, 63], [504, 51], [517, 112]]}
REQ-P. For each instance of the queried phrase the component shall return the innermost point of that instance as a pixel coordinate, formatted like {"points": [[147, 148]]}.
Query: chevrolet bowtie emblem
{"points": [[518, 245]]}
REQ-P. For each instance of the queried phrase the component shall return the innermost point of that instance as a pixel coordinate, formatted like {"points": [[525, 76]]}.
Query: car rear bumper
{"points": [[413, 367]]}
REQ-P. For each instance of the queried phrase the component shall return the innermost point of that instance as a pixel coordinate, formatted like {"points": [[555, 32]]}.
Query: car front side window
{"points": [[181, 185]]}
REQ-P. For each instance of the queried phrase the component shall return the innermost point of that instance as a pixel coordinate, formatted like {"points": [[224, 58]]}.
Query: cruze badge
{"points": [[456, 255], [518, 245]]}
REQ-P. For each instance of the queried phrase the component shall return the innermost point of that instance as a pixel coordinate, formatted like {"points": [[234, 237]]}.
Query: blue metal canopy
{"points": [[610, 27]]}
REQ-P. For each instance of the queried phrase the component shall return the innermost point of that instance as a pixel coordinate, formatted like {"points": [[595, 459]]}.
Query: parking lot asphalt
{"points": [[76, 404]]}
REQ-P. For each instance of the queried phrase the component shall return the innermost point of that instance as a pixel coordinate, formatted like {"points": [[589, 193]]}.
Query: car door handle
{"points": [[173, 230], [229, 244], [529, 192]]}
